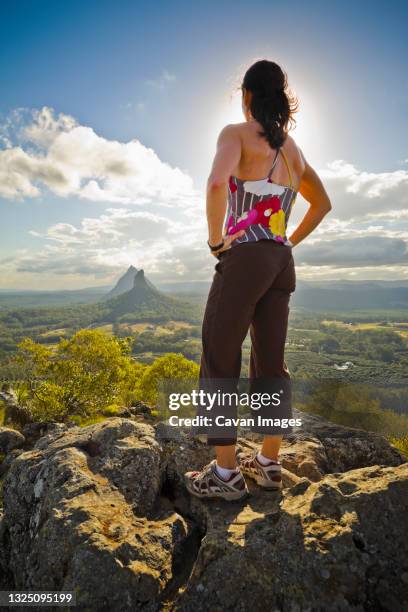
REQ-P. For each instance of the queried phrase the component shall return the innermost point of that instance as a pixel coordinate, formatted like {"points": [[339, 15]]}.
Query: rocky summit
{"points": [[103, 511], [142, 298], [125, 283]]}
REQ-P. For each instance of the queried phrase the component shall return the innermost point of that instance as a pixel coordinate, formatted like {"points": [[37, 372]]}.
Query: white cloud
{"points": [[366, 232], [45, 126], [389, 214], [103, 246], [355, 193], [116, 225], [319, 272], [352, 252], [72, 160]]}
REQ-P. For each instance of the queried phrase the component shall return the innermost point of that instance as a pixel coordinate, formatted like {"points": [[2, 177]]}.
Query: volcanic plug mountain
{"points": [[144, 301]]}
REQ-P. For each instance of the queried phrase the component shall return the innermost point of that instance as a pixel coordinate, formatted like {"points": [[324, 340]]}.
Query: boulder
{"points": [[121, 450], [338, 544], [80, 514], [138, 408], [321, 447], [103, 511], [8, 460], [10, 439], [34, 431], [14, 413], [6, 578]]}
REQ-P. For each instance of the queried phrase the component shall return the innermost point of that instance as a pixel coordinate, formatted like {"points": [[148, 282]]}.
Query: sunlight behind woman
{"points": [[304, 131]]}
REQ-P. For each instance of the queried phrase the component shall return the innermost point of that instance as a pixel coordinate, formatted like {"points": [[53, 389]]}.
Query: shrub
{"points": [[170, 366], [81, 376], [90, 376], [111, 410], [353, 405], [401, 444]]}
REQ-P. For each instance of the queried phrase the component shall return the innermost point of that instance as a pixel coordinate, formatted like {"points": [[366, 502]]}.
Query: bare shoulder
{"points": [[231, 129], [295, 154], [229, 135]]}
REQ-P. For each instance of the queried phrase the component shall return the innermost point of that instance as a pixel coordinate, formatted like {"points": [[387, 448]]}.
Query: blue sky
{"points": [[81, 81]]}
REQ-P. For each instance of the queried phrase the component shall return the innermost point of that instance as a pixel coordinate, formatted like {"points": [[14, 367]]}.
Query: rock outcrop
{"points": [[102, 510], [80, 513], [14, 413], [10, 439], [323, 448], [125, 283], [328, 546]]}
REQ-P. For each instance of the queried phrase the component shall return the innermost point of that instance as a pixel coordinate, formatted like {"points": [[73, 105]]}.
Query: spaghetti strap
{"points": [[274, 163], [288, 169]]}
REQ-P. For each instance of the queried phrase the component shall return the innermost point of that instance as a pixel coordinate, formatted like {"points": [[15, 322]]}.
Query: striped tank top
{"points": [[261, 207]]}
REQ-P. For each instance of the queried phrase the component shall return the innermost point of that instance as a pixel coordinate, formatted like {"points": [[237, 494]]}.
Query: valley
{"points": [[368, 344]]}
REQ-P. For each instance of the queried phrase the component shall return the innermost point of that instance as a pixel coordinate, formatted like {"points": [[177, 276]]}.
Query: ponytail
{"points": [[271, 103]]}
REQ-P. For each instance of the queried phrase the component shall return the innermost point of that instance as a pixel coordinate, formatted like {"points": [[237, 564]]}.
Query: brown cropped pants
{"points": [[251, 290]]}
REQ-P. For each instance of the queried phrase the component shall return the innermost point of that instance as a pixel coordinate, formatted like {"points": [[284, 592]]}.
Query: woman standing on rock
{"points": [[257, 172]]}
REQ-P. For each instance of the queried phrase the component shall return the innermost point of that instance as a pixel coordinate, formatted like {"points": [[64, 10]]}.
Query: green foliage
{"points": [[111, 410], [22, 391], [170, 366], [401, 444], [185, 341], [50, 403], [82, 376], [90, 376], [382, 353], [376, 343], [19, 323], [158, 311], [50, 324], [132, 374], [353, 405], [84, 422], [329, 345]]}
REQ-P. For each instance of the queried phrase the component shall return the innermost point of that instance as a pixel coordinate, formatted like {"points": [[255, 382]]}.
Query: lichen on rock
{"points": [[102, 510]]}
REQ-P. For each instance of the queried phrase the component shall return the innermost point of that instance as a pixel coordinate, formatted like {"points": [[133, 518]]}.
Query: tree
{"points": [[330, 345], [169, 367], [81, 376], [353, 405], [383, 353]]}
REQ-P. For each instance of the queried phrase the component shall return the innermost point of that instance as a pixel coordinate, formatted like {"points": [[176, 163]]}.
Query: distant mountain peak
{"points": [[143, 296], [125, 283], [140, 279]]}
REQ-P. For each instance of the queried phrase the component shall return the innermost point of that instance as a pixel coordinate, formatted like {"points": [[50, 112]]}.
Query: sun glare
{"points": [[301, 132], [231, 112], [308, 131], [232, 109]]}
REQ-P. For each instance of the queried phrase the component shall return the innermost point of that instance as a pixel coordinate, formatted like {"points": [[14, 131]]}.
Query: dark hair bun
{"points": [[271, 104]]}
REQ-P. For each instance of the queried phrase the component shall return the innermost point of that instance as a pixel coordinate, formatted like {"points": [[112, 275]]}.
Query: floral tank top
{"points": [[261, 207]]}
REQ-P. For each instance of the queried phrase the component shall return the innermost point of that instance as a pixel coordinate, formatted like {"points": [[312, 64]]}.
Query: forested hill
{"points": [[144, 301], [315, 296], [350, 295]]}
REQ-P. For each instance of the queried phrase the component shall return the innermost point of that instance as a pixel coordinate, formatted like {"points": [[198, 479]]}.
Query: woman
{"points": [[258, 170]]}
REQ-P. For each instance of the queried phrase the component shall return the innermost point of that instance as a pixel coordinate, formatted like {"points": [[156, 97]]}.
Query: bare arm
{"points": [[226, 159], [312, 189]]}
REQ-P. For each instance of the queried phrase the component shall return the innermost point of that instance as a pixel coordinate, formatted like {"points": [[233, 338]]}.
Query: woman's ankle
{"points": [[271, 447], [264, 460], [226, 457]]}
